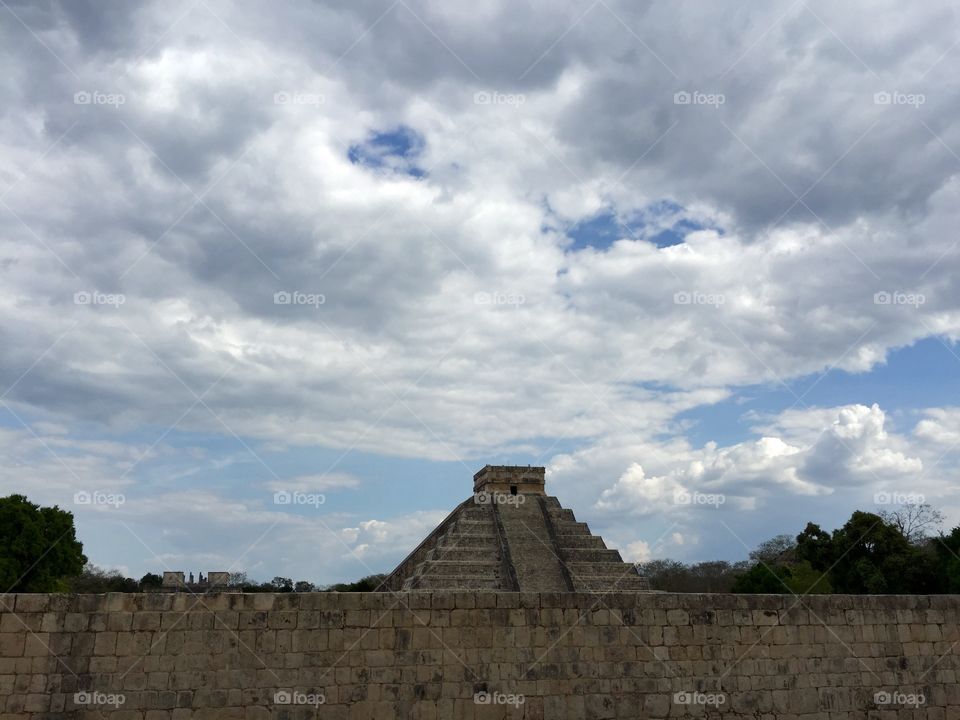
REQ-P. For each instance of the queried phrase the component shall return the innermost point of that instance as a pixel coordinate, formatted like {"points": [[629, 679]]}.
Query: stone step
{"points": [[464, 554], [606, 569], [565, 527], [477, 540], [486, 525], [454, 582], [532, 552], [557, 514], [476, 512], [463, 540], [579, 541], [590, 555], [483, 568], [611, 583], [473, 527]]}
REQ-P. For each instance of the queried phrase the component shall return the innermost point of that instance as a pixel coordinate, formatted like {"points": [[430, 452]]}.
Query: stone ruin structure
{"points": [[511, 536], [509, 609], [175, 581]]}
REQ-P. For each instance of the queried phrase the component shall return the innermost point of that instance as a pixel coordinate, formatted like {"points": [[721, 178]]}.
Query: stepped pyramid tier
{"points": [[511, 536]]}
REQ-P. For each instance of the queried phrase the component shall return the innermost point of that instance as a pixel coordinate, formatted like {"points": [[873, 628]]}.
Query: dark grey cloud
{"points": [[408, 268], [458, 321]]}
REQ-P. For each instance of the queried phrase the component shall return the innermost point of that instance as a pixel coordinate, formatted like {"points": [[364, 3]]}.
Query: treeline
{"points": [[713, 576], [40, 553], [97, 580], [283, 585], [93, 579], [891, 552], [898, 551]]}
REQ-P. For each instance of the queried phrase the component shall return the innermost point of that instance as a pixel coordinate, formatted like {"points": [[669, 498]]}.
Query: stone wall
{"points": [[478, 655]]}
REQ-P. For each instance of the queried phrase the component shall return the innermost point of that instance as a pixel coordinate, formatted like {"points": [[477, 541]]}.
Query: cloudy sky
{"points": [[698, 259]]}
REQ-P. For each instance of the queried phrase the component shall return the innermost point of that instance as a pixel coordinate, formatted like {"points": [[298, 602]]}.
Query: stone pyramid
{"points": [[512, 536]]}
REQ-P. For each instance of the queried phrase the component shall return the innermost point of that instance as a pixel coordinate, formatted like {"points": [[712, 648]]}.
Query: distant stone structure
{"points": [[218, 579], [512, 479], [175, 581], [512, 536]]}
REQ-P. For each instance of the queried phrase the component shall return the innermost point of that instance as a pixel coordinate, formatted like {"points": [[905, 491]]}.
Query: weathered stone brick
{"points": [[626, 652], [12, 644]]}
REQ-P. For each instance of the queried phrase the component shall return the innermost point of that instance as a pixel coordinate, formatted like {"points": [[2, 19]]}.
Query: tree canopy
{"points": [[888, 552], [39, 549]]}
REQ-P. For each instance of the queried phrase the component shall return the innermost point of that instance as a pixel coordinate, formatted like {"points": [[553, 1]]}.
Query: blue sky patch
{"points": [[661, 223], [889, 385], [599, 231], [397, 150]]}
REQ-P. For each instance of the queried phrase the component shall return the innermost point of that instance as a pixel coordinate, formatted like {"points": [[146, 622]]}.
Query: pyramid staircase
{"points": [[530, 543], [591, 565], [467, 555]]}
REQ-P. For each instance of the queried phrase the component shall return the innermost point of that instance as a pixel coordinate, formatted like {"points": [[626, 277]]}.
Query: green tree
{"points": [[94, 579], [805, 580], [763, 578], [715, 576], [798, 578], [371, 583], [282, 584], [666, 575], [775, 550], [151, 580], [782, 564], [946, 549], [38, 547], [816, 547], [873, 557]]}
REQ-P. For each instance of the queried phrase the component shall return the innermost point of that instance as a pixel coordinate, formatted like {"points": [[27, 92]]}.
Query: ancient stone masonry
{"points": [[509, 609], [511, 536], [472, 655], [176, 581]]}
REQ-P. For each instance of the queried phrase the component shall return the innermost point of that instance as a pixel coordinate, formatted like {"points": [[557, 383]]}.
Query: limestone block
{"points": [[28, 603], [12, 644]]}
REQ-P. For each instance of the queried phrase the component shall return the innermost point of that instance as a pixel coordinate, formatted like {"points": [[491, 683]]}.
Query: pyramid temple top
{"points": [[512, 479]]}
